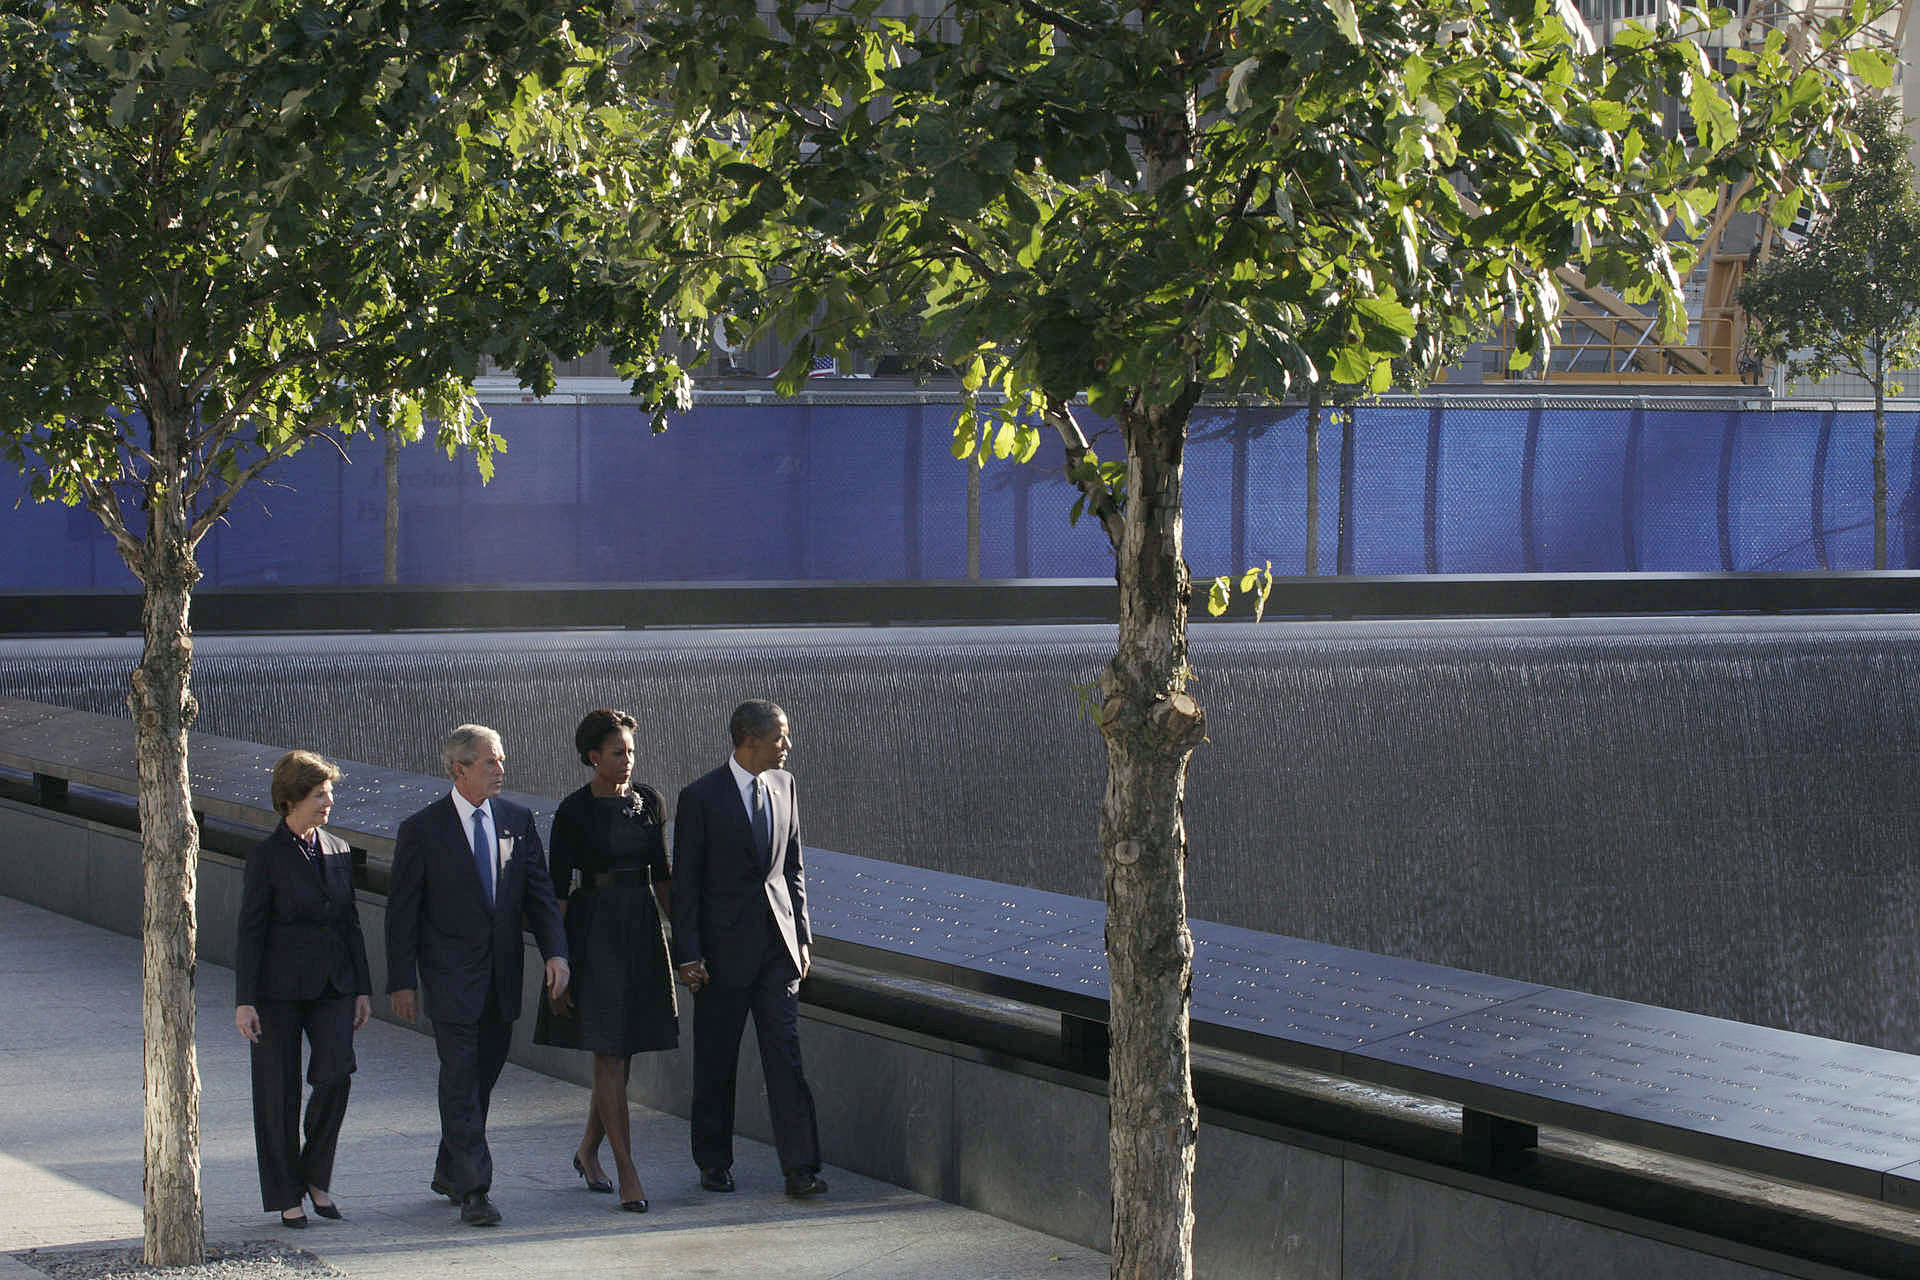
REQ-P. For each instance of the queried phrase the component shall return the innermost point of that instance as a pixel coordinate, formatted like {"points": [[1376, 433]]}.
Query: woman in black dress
{"points": [[300, 969], [608, 857]]}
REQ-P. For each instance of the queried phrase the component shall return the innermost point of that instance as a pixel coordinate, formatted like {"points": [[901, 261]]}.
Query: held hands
{"points": [[557, 975], [693, 975], [247, 1019], [404, 1006], [362, 1010]]}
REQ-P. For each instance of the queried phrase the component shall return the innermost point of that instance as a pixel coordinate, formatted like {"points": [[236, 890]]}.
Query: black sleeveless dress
{"points": [[605, 854]]}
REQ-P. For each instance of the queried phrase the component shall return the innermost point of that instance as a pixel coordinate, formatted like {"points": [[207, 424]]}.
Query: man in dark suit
{"points": [[742, 945], [466, 869]]}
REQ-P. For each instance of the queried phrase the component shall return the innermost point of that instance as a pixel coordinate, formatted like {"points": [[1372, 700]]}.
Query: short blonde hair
{"points": [[296, 775]]}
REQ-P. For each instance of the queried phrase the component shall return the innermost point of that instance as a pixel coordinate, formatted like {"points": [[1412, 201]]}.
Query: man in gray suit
{"points": [[465, 870], [742, 945]]}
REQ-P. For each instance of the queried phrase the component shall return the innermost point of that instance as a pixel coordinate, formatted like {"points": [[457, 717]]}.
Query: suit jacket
{"points": [[724, 886], [299, 923], [442, 937]]}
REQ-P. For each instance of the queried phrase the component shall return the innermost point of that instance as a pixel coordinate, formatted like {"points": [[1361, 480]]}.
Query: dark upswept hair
{"points": [[754, 718], [296, 775], [597, 727]]}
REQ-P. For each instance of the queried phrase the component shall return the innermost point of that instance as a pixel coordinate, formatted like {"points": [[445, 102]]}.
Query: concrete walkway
{"points": [[70, 1158]]}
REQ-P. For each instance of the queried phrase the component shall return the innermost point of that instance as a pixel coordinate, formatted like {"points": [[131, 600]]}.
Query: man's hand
{"points": [[694, 975], [806, 959], [362, 1010], [404, 1007], [557, 975], [247, 1019]]}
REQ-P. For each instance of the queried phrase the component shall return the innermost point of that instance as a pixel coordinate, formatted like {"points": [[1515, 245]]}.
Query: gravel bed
{"points": [[247, 1260]]}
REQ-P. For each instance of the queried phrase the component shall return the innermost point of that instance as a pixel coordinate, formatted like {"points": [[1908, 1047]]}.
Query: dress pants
{"points": [[472, 1055], [287, 1166], [720, 1013]]}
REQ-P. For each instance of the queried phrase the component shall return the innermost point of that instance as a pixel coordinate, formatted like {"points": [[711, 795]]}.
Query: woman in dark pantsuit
{"points": [[300, 969], [608, 859]]}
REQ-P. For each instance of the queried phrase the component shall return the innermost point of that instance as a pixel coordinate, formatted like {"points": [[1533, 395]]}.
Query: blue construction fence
{"points": [[818, 491]]}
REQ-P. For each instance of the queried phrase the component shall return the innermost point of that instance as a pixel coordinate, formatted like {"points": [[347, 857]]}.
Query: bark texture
{"points": [[163, 710], [1151, 726]]}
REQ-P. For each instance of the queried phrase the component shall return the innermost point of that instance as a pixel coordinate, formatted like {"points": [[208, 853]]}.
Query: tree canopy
{"points": [[1847, 298], [281, 218]]}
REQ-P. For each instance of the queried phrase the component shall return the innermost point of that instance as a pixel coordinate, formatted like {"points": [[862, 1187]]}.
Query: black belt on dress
{"points": [[604, 879]]}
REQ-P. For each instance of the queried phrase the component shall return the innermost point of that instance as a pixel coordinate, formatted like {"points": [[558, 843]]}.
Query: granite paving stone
{"points": [[70, 1153]]}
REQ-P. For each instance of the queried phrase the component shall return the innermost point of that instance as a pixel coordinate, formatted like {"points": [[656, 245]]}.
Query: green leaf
{"points": [[1871, 66], [1238, 98], [1608, 114], [1351, 365], [1713, 118], [1787, 208], [1387, 314], [966, 435], [1345, 20], [1219, 596]]}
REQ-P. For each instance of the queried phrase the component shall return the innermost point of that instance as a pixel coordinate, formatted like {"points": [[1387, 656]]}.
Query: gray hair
{"points": [[463, 744], [756, 718]]}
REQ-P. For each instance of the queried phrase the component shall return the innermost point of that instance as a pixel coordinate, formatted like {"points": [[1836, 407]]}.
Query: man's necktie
{"points": [[483, 853], [762, 819]]}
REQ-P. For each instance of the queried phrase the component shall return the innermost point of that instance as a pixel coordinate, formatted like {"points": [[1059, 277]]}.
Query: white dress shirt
{"points": [[744, 780]]}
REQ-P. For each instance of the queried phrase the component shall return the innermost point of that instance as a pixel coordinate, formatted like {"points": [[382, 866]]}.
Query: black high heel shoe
{"points": [[593, 1184], [296, 1223], [329, 1210], [634, 1206]]}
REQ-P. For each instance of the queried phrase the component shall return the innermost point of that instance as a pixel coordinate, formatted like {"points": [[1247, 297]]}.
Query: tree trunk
{"points": [[1879, 463], [1151, 726], [163, 709], [1313, 482], [390, 558]]}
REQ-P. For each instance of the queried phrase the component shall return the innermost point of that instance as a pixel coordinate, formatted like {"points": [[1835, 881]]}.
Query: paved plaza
{"points": [[70, 1158]]}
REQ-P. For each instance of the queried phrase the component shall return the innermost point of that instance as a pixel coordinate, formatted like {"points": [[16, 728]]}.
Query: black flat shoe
{"points": [[716, 1179], [295, 1223], [593, 1184], [329, 1210], [634, 1206]]}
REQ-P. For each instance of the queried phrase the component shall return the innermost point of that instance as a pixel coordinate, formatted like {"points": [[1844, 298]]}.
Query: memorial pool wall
{"points": [[1705, 814]]}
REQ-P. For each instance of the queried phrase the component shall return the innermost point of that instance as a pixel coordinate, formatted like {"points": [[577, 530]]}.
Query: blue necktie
{"points": [[762, 820], [483, 853]]}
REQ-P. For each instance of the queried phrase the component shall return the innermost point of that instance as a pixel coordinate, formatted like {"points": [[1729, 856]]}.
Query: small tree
{"points": [[1847, 298], [236, 226]]}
